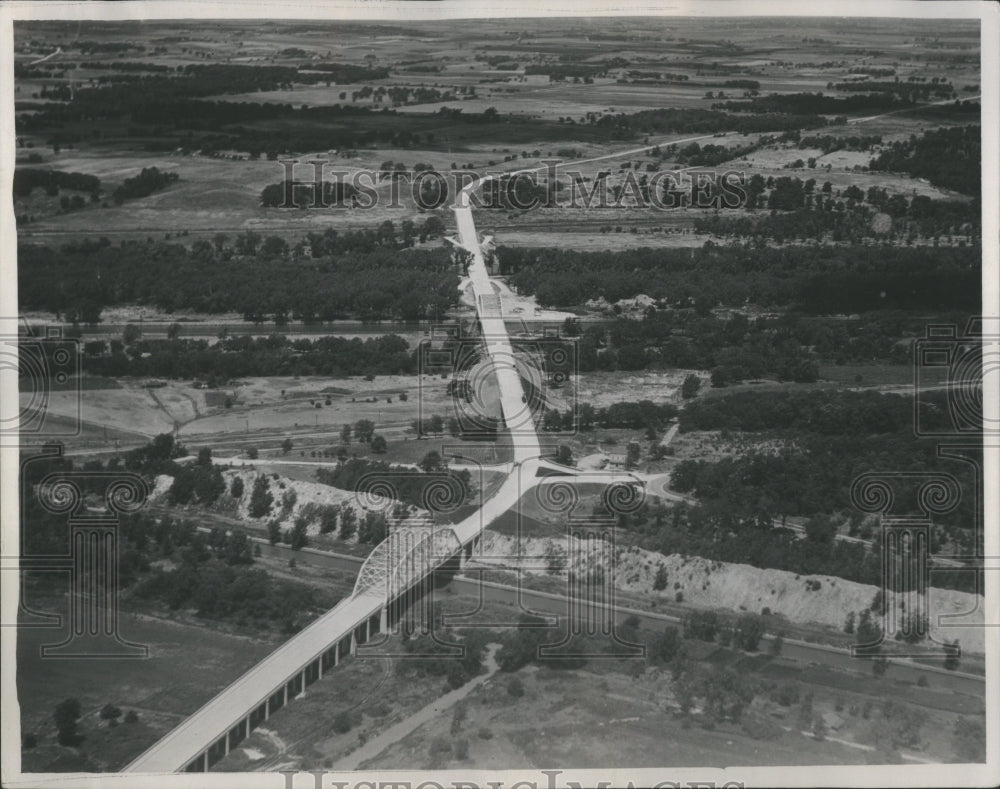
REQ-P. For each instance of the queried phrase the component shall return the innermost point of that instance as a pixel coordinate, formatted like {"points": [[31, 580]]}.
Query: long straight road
{"points": [[189, 742], [513, 400]]}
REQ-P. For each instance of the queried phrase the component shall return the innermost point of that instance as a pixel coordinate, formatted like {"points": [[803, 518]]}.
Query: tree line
{"points": [[250, 275], [240, 356], [28, 178], [818, 280]]}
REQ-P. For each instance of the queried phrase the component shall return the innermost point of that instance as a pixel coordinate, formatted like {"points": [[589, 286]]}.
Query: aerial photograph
{"points": [[506, 393]]}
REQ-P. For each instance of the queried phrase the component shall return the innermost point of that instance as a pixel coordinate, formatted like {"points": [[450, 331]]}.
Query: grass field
{"points": [[159, 689]]}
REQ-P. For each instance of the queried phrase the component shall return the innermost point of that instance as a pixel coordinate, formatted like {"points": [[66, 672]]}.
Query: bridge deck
{"points": [[513, 401], [193, 735]]}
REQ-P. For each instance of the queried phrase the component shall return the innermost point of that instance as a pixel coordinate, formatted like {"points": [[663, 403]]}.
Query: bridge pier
{"points": [[383, 619]]}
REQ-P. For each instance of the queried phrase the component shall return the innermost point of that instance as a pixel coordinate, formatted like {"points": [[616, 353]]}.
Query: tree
{"points": [[690, 386], [749, 630], [372, 528], [204, 456], [236, 489], [66, 715], [364, 429], [868, 631], [899, 727], [667, 645], [260, 498], [273, 531], [345, 434], [252, 453], [110, 713], [660, 581], [564, 455], [702, 625], [633, 453], [238, 549], [131, 716], [880, 665], [777, 643], [821, 529], [515, 687], [173, 331], [131, 333], [300, 538], [328, 519], [348, 523], [342, 722], [379, 445], [431, 462], [286, 446]]}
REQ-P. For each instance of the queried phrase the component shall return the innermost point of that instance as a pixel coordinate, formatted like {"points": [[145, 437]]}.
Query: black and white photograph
{"points": [[525, 396]]}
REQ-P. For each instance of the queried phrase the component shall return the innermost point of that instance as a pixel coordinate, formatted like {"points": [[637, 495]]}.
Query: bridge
{"points": [[395, 570]]}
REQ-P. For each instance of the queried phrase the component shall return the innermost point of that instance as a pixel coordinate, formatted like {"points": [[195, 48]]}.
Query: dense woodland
{"points": [[820, 441], [948, 157], [324, 277], [239, 356], [817, 280]]}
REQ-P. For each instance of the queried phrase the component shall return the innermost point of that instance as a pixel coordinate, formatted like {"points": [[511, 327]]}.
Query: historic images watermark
{"points": [[46, 364], [317, 184], [89, 503], [546, 779], [951, 367], [455, 359]]}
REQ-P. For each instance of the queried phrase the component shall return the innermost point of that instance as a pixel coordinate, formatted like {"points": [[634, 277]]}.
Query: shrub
{"points": [[342, 723], [110, 712]]}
